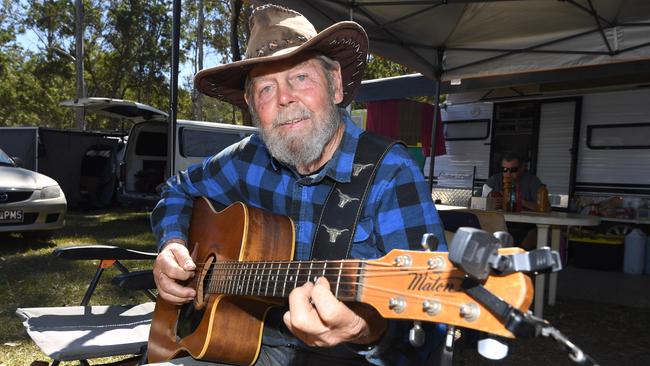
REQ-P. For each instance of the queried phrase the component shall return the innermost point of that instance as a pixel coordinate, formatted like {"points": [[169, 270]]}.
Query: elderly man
{"points": [[295, 81]]}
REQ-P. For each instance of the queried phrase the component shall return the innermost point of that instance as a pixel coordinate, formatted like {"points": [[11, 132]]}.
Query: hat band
{"points": [[275, 46]]}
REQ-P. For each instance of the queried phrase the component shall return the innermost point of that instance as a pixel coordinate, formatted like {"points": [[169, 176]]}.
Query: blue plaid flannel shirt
{"points": [[398, 210]]}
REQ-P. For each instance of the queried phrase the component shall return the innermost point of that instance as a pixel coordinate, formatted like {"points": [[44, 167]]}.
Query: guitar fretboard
{"points": [[277, 279]]}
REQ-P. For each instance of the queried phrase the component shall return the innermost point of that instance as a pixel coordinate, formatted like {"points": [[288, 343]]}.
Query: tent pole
{"points": [[173, 89], [432, 152]]}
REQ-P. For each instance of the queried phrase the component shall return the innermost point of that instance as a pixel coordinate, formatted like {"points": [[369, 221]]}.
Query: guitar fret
{"points": [[295, 282], [236, 278], [217, 279], [311, 264], [235, 275], [338, 279], [259, 282], [228, 283], [267, 279], [242, 270], [248, 272], [284, 286], [222, 279], [275, 278], [232, 279]]}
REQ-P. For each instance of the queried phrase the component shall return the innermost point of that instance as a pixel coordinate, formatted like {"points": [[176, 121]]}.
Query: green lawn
{"points": [[30, 276]]}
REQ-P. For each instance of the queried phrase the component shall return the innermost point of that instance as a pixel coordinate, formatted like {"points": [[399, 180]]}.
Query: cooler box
{"points": [[596, 251]]}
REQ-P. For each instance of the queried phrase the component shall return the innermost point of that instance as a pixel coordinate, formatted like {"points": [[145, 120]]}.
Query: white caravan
{"points": [[587, 145]]}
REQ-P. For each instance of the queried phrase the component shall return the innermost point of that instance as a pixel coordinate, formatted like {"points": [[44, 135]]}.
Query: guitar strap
{"points": [[345, 202]]}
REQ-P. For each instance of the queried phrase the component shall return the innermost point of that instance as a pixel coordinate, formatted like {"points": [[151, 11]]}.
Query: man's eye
{"points": [[265, 89], [301, 77]]}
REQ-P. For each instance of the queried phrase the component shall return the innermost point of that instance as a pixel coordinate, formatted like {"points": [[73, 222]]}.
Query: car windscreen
{"points": [[5, 159]]}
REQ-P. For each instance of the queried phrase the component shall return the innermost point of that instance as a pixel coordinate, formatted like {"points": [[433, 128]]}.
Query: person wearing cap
{"points": [[295, 82]]}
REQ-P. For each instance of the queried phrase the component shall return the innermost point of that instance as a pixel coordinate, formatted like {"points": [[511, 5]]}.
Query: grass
{"points": [[31, 276]]}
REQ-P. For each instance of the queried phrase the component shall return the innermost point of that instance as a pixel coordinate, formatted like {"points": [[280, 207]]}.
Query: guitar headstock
{"points": [[426, 286]]}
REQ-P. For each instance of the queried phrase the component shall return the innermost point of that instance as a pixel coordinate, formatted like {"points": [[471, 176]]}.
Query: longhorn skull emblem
{"points": [[334, 233], [344, 199], [358, 168]]}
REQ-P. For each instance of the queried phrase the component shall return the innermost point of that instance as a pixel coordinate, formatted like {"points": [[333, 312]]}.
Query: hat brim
{"points": [[345, 42]]}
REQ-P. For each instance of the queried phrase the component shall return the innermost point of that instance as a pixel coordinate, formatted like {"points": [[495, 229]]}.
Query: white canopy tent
{"points": [[460, 44], [459, 39]]}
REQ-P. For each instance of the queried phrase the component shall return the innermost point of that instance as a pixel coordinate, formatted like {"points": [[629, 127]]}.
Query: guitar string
{"points": [[232, 280]]}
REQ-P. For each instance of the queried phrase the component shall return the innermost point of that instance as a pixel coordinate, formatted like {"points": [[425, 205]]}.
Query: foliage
{"points": [[379, 67], [127, 54]]}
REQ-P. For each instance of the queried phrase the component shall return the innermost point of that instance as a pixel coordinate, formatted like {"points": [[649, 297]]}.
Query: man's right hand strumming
{"points": [[173, 265]]}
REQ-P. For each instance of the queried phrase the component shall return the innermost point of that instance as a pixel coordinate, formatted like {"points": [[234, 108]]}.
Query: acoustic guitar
{"points": [[243, 257]]}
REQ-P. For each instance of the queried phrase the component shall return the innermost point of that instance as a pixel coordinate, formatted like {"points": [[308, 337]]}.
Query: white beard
{"points": [[299, 150]]}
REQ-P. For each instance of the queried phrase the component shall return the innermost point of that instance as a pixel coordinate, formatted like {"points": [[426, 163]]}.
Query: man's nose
{"points": [[286, 94]]}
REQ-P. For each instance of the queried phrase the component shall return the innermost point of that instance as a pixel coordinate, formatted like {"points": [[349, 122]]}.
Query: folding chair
{"points": [[85, 332]]}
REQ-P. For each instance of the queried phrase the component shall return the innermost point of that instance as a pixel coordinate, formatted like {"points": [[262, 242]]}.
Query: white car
{"points": [[30, 202]]}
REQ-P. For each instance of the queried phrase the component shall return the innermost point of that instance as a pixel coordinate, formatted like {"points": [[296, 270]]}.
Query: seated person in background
{"points": [[526, 184], [526, 187]]}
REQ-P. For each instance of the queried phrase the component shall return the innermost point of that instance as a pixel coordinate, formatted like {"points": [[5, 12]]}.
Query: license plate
{"points": [[11, 216]]}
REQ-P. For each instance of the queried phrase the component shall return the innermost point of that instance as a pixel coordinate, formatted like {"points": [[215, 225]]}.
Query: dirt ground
{"points": [[610, 334]]}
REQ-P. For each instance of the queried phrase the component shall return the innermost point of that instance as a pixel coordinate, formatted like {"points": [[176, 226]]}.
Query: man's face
{"points": [[510, 168], [294, 106]]}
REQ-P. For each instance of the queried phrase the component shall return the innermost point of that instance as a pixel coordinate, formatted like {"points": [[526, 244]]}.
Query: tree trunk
{"points": [[235, 12], [198, 97], [79, 61]]}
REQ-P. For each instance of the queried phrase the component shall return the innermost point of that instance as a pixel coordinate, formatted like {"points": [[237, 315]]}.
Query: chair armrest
{"points": [[101, 252], [137, 280]]}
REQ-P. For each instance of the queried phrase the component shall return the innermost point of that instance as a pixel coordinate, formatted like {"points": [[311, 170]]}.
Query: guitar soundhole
{"points": [[188, 320], [191, 313]]}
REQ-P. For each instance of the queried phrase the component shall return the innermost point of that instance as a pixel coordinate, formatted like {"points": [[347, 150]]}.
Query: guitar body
{"points": [[204, 328]]}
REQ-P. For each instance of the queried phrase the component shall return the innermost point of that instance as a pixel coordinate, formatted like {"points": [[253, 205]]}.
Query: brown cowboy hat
{"points": [[279, 33]]}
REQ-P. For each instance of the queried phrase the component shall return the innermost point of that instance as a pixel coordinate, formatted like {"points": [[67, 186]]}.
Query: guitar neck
{"points": [[278, 278]]}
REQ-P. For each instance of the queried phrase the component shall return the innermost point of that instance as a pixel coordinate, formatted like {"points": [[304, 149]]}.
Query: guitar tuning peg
{"points": [[416, 334], [429, 242], [504, 238]]}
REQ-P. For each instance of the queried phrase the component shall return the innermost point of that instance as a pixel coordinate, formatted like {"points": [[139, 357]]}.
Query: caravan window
{"points": [[202, 143], [625, 136], [470, 129]]}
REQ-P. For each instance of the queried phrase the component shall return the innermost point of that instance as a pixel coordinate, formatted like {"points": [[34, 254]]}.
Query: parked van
{"points": [[145, 158], [144, 162]]}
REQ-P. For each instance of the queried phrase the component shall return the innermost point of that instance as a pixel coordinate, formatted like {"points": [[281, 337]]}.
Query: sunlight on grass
{"points": [[31, 277]]}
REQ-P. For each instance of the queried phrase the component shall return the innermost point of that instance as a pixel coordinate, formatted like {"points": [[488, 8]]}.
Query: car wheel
{"points": [[37, 235]]}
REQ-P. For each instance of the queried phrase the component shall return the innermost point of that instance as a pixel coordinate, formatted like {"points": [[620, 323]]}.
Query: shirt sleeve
{"points": [[171, 217], [535, 183]]}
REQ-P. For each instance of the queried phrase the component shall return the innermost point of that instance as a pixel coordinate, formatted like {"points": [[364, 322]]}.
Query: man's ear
{"points": [[337, 80]]}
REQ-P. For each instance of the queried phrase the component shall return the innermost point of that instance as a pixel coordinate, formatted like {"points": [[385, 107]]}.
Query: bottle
{"points": [[542, 199], [506, 193], [512, 200]]}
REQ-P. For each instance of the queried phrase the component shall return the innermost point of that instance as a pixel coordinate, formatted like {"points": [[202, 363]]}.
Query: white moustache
{"points": [[288, 117]]}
